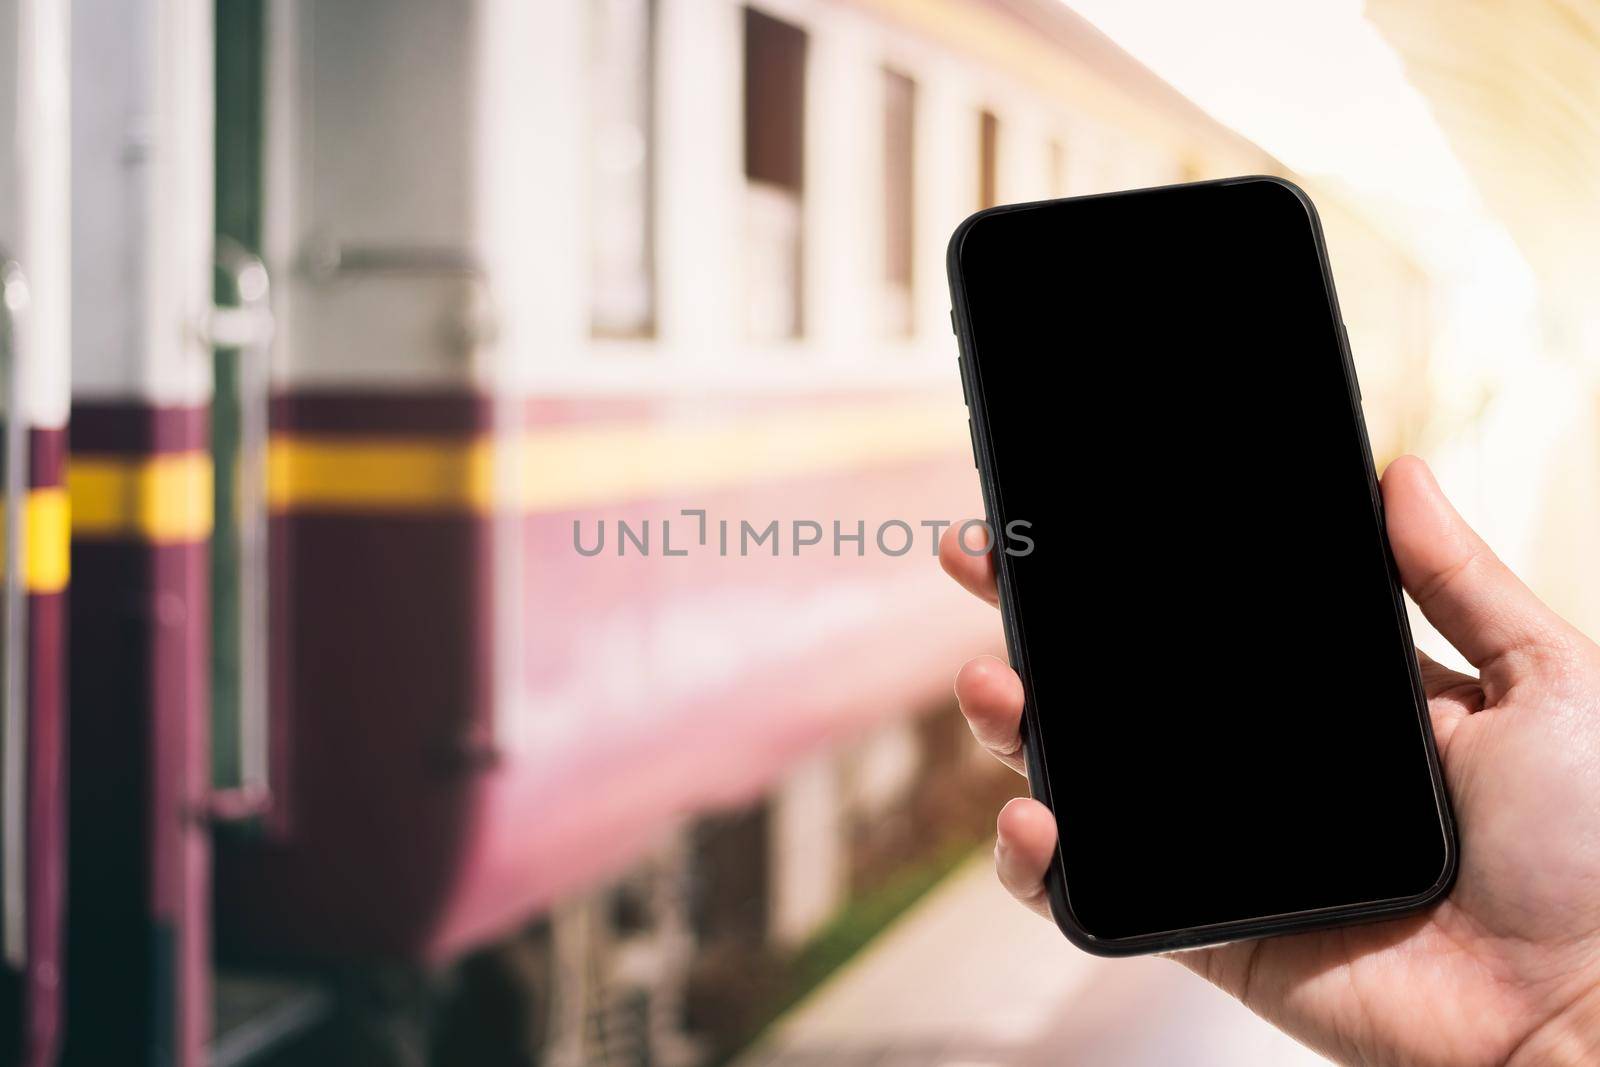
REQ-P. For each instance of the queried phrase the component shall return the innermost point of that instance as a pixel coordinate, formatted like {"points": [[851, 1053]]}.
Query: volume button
{"points": [[972, 436]]}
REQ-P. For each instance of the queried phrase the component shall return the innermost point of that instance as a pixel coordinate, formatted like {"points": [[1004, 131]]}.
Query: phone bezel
{"points": [[1033, 751]]}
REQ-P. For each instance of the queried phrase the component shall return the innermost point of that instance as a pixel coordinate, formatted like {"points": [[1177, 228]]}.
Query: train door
{"points": [[33, 408]]}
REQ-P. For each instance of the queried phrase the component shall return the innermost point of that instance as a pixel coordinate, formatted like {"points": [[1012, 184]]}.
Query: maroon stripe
{"points": [[47, 825], [702, 407], [47, 457], [131, 428], [139, 635], [138, 927], [445, 413], [110, 1003], [465, 413], [180, 740], [380, 731]]}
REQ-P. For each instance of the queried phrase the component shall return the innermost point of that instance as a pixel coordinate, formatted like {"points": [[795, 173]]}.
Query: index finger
{"points": [[968, 561]]}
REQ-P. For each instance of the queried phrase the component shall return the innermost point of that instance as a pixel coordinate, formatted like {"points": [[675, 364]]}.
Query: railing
{"points": [[329, 261], [13, 628], [247, 328]]}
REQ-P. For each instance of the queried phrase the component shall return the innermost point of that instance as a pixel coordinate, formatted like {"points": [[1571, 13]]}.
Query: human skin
{"points": [[1506, 969]]}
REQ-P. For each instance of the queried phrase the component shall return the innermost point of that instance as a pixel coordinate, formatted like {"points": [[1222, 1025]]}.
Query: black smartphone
{"points": [[1223, 705]]}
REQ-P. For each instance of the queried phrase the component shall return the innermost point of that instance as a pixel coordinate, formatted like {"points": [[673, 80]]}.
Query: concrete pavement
{"points": [[969, 979]]}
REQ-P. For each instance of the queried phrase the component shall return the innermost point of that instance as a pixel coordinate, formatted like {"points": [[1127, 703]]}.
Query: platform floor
{"points": [[969, 979]]}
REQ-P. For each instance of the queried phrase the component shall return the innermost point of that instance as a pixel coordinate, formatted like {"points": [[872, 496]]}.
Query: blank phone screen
{"points": [[1213, 645]]}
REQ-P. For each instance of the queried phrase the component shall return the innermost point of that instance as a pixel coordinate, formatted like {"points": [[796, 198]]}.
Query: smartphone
{"points": [[1223, 705]]}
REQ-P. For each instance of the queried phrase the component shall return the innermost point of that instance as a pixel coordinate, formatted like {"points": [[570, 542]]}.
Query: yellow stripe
{"points": [[47, 554], [165, 499], [378, 475], [578, 466], [46, 547]]}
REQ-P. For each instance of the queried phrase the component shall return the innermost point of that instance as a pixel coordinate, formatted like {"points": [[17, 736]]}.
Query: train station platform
{"points": [[967, 978]]}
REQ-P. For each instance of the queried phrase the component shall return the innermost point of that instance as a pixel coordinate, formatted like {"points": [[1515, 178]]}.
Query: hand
{"points": [[1507, 968]]}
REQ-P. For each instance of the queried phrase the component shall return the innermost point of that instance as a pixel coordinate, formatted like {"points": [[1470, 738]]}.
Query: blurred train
{"points": [[34, 356], [422, 707]]}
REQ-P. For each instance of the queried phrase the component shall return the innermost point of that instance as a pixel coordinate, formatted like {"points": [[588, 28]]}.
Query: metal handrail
{"points": [[14, 299], [327, 261], [248, 327]]}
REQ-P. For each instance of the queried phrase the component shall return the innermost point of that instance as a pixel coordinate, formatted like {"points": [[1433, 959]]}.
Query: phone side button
{"points": [[972, 435], [961, 371]]}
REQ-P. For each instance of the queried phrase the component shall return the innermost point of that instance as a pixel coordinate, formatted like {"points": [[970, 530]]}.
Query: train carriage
{"points": [[561, 468], [443, 411], [34, 327]]}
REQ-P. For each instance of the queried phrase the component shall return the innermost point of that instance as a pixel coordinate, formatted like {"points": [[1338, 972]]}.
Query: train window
{"points": [[988, 159], [774, 167], [899, 194], [621, 161]]}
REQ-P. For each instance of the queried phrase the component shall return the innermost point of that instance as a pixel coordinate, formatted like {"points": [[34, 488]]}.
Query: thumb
{"points": [[1469, 596]]}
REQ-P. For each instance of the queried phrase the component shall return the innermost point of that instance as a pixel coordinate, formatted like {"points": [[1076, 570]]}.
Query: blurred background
{"points": [[424, 381]]}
